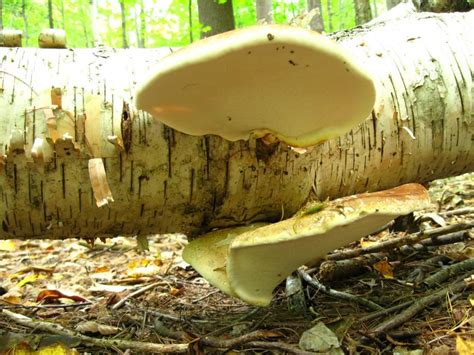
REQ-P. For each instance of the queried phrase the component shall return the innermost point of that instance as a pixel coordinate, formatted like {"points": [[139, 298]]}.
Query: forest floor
{"points": [[114, 298]]}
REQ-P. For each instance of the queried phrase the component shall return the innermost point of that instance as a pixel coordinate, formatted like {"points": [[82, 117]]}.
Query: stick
{"points": [[444, 274], [418, 306], [338, 294], [134, 346], [136, 293], [398, 242]]}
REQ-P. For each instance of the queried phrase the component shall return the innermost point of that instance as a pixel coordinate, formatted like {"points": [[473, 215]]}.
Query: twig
{"points": [[418, 306], [289, 349], [338, 294], [234, 342], [45, 306], [136, 293], [385, 312], [134, 346], [330, 270], [398, 242], [444, 274], [457, 212], [450, 238]]}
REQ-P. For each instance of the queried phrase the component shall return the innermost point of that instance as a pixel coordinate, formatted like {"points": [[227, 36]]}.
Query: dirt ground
{"points": [[127, 300]]}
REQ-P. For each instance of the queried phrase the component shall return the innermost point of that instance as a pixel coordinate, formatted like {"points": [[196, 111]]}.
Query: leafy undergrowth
{"points": [[115, 293]]}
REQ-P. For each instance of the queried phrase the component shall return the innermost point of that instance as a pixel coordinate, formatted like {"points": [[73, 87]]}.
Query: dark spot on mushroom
{"points": [[229, 118], [292, 63], [270, 36], [347, 70], [277, 48], [282, 47], [249, 52], [307, 65], [292, 52]]}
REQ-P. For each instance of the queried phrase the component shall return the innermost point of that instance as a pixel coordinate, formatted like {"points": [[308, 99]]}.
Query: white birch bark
{"points": [[80, 102]]}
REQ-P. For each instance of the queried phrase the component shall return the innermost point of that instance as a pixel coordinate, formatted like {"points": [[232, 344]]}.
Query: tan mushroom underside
{"points": [[293, 83], [250, 262]]}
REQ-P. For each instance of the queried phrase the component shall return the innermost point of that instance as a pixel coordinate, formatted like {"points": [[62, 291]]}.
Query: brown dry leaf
{"points": [[384, 267], [48, 295], [94, 327], [464, 346], [102, 268], [11, 298], [175, 291]]}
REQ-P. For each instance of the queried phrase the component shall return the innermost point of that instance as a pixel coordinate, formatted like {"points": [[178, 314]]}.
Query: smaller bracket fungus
{"points": [[292, 83], [249, 262]]}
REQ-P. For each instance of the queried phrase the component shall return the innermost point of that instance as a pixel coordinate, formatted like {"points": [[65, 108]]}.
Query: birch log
{"points": [[61, 108]]}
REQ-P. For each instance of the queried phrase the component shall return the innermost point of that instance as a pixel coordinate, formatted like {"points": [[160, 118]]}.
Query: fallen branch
{"points": [[398, 242], [287, 348], [452, 270], [136, 293], [418, 306], [134, 346], [457, 212], [338, 294], [385, 312]]}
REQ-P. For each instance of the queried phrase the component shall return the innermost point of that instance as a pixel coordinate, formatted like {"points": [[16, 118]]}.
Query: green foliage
{"points": [[166, 21]]}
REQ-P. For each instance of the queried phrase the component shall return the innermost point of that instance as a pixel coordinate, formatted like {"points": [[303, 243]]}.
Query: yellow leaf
{"points": [[7, 245], [464, 347], [366, 243], [471, 300], [12, 299], [29, 279], [384, 267]]}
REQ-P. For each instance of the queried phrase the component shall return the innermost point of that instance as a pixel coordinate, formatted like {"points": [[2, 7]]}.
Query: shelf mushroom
{"points": [[292, 83], [249, 262]]}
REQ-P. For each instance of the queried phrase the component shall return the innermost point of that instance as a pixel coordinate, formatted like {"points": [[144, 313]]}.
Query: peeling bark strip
{"points": [[421, 129]]}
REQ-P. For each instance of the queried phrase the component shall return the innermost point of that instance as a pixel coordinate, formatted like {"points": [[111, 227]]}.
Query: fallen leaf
{"points": [[464, 346], [29, 279], [94, 327], [384, 267], [7, 245], [48, 295], [320, 339]]}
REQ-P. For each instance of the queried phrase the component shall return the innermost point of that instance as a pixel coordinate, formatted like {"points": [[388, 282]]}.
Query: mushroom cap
{"points": [[257, 260], [290, 82], [208, 255]]}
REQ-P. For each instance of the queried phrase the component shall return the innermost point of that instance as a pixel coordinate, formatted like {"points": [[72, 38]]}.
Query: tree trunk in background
{"points": [[50, 13], [362, 11], [328, 6], [1, 14], [190, 20], [316, 23], [374, 4], [264, 11], [124, 24], [137, 27], [392, 3], [142, 24], [25, 21], [63, 17], [216, 15], [96, 38], [61, 108]]}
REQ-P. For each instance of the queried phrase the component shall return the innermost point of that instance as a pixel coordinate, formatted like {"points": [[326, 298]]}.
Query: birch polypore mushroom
{"points": [[292, 83], [249, 264]]}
